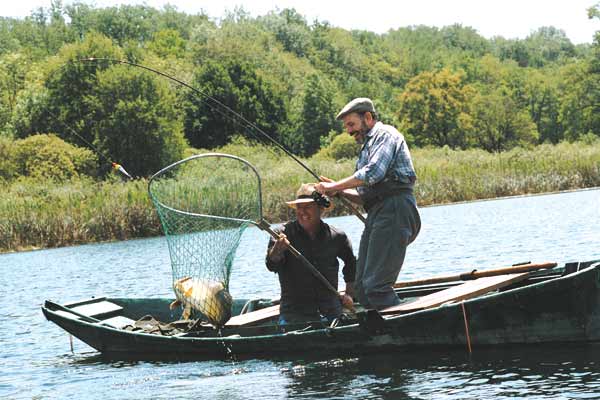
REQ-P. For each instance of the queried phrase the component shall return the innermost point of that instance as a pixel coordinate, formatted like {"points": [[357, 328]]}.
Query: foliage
{"points": [[434, 109], [126, 114], [341, 147], [499, 124], [287, 76], [139, 124], [317, 117], [167, 42], [46, 158], [8, 167], [36, 214], [230, 88]]}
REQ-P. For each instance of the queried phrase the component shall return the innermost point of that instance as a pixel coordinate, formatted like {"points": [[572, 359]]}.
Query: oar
{"points": [[476, 274]]}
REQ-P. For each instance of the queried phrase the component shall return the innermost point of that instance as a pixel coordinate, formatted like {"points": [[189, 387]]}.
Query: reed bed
{"points": [[36, 214]]}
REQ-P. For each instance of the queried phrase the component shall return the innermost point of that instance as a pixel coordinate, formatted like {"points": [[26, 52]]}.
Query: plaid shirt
{"points": [[384, 155]]}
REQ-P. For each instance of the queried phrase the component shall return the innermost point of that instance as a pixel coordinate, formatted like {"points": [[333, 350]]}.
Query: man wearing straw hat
{"points": [[303, 297], [383, 183]]}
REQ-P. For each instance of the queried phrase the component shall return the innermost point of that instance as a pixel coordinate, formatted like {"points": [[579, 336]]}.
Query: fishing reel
{"points": [[321, 199]]}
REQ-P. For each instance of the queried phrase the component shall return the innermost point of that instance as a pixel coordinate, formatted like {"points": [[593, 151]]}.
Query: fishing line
{"points": [[225, 111]]}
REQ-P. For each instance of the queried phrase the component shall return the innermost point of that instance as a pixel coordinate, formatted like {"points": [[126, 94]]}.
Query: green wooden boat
{"points": [[558, 305]]}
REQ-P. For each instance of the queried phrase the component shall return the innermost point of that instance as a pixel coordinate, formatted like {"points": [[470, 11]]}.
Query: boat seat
{"points": [[118, 322], [98, 310], [467, 290], [253, 317]]}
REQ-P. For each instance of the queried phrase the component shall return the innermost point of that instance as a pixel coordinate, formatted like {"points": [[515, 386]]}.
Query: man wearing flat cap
{"points": [[383, 183], [304, 297]]}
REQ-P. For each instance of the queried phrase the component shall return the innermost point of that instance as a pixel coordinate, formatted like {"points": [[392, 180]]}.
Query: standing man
{"points": [[304, 297], [383, 183]]}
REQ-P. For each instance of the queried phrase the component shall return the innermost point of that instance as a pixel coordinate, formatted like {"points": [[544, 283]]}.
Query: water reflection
{"points": [[545, 372]]}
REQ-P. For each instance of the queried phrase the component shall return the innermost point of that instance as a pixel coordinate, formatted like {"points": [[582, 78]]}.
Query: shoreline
{"points": [[25, 249], [516, 196]]}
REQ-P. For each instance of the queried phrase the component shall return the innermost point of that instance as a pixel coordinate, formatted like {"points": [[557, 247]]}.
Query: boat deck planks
{"points": [[464, 291], [98, 309], [254, 316], [467, 290]]}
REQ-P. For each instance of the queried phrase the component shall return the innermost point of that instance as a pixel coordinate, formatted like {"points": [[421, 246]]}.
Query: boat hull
{"points": [[560, 310]]}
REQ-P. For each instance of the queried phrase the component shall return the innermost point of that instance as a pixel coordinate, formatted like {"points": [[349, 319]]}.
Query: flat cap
{"points": [[359, 105]]}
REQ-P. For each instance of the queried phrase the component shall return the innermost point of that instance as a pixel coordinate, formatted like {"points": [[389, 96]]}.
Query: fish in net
{"points": [[204, 203]]}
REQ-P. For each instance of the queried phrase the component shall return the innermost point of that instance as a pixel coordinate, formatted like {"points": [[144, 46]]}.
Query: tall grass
{"points": [[36, 214]]}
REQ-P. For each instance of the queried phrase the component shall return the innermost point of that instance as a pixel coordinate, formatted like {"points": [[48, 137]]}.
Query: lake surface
{"points": [[36, 360]]}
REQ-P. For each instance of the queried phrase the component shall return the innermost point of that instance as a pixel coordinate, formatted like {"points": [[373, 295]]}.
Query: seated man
{"points": [[304, 297]]}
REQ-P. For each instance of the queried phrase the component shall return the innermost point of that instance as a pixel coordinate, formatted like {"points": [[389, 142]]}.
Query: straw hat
{"points": [[306, 195]]}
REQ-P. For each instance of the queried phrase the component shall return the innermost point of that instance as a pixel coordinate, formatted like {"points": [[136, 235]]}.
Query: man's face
{"points": [[356, 126], [308, 215]]}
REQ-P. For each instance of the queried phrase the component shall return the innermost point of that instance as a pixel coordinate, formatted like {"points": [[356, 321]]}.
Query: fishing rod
{"points": [[227, 112]]}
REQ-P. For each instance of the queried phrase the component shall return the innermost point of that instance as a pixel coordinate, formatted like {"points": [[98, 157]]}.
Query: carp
{"points": [[210, 298]]}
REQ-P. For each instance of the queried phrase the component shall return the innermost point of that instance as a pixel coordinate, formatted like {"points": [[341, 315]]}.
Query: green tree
{"points": [[498, 124], [63, 99], [580, 100], [137, 121], [168, 42], [543, 103], [434, 109], [8, 167], [290, 29], [342, 146], [317, 118], [13, 66], [548, 45], [234, 94]]}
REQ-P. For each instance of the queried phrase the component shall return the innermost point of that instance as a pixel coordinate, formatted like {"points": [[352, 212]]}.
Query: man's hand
{"points": [[347, 302], [350, 289], [326, 187], [276, 252], [327, 180]]}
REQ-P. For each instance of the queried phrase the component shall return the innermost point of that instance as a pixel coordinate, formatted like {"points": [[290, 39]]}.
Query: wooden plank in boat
{"points": [[467, 290], [118, 322], [98, 309], [254, 316]]}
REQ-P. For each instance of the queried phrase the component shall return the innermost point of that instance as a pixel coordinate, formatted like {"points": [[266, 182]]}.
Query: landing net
{"points": [[205, 203]]}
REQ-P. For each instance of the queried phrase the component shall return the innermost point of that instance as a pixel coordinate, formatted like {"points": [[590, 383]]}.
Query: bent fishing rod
{"points": [[226, 112]]}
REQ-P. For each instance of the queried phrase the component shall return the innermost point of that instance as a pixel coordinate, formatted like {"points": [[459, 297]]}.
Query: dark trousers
{"points": [[391, 226]]}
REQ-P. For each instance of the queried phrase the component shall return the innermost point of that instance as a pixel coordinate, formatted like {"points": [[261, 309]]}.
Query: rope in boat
{"points": [[462, 304]]}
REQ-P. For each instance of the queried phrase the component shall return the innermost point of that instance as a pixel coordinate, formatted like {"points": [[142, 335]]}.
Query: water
{"points": [[36, 360]]}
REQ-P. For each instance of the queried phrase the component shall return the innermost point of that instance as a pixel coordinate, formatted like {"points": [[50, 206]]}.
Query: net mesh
{"points": [[204, 204]]}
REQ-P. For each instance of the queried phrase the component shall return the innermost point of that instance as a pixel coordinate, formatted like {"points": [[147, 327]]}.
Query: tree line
{"points": [[287, 76]]}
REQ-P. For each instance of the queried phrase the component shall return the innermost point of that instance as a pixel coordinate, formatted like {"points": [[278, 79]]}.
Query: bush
{"points": [[341, 147], [8, 168], [589, 138], [48, 157]]}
